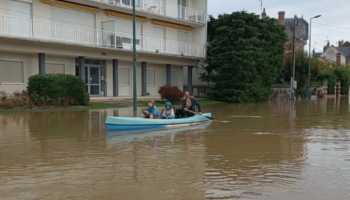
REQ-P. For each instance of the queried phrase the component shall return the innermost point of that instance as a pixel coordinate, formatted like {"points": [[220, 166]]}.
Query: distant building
{"points": [[339, 55], [301, 32]]}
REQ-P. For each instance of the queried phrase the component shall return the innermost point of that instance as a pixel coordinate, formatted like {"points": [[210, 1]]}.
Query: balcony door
{"points": [[182, 4], [182, 37], [159, 41], [123, 33], [20, 22]]}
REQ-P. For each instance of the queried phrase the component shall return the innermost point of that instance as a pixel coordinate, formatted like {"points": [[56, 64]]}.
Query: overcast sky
{"points": [[335, 15]]}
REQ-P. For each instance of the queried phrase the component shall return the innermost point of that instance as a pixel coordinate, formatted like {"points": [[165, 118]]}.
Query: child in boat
{"points": [[168, 112], [151, 112]]}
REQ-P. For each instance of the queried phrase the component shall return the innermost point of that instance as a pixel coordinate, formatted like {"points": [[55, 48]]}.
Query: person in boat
{"points": [[189, 106], [168, 113], [152, 111]]}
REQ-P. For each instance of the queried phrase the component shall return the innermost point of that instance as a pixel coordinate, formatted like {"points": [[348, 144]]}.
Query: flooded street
{"points": [[269, 150]]}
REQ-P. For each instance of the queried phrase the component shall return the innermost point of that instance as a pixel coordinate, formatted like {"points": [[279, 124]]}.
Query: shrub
{"points": [[171, 93], [57, 89], [16, 99]]}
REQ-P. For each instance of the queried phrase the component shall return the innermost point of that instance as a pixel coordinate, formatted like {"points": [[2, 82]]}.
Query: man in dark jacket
{"points": [[189, 104]]}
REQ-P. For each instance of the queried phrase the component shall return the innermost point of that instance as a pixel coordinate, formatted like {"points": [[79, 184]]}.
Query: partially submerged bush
{"points": [[171, 93], [57, 89]]}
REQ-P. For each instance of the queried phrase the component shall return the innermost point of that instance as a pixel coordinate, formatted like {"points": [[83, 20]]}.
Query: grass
{"points": [[92, 106], [202, 102]]}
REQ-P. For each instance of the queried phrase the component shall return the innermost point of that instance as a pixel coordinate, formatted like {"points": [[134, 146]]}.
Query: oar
{"points": [[211, 118]]}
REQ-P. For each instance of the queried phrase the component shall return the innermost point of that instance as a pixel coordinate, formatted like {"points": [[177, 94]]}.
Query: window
{"points": [[124, 33], [61, 30], [20, 24], [75, 17], [11, 71], [174, 78], [159, 43], [182, 37], [54, 68], [151, 77], [182, 8], [125, 26], [124, 76]]}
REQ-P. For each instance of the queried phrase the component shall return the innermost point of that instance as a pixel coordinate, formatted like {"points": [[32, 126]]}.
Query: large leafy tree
{"points": [[245, 56]]}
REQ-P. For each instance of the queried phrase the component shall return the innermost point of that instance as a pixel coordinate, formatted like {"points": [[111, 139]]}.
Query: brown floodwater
{"points": [[270, 150]]}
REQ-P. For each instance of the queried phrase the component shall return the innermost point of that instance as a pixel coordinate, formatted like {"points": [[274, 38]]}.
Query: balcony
{"points": [[161, 8], [84, 36]]}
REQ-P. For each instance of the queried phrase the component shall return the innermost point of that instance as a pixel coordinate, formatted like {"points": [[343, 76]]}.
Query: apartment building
{"points": [[92, 39]]}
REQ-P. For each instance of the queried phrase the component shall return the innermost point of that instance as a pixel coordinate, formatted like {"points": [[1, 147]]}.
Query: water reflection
{"points": [[270, 150]]}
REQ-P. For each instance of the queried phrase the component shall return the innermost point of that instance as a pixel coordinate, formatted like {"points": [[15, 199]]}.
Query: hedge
{"points": [[330, 89], [58, 86]]}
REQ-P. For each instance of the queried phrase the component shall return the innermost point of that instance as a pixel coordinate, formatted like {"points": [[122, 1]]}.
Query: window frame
{"points": [[154, 77], [176, 78], [56, 63], [23, 71], [129, 77]]}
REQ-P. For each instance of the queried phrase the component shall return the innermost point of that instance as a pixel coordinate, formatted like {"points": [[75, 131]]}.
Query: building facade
{"points": [[339, 55], [297, 28], [92, 39]]}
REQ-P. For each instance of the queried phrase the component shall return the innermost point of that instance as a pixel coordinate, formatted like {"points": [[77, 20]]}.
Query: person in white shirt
{"points": [[168, 112]]}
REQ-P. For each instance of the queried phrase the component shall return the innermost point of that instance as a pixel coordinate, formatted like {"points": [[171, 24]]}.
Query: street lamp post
{"points": [[293, 62], [134, 58], [309, 73]]}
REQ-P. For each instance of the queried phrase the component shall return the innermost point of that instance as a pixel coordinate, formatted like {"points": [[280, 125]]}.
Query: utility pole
{"points": [[309, 73], [293, 65], [134, 59]]}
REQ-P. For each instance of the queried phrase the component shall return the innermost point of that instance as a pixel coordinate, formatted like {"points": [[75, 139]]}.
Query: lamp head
{"points": [[317, 16]]}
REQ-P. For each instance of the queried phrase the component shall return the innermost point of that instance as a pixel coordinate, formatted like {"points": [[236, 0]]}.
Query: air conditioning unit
{"points": [[118, 41]]}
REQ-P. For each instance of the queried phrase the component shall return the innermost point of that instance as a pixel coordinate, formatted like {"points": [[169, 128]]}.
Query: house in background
{"points": [[339, 55], [301, 27], [93, 40]]}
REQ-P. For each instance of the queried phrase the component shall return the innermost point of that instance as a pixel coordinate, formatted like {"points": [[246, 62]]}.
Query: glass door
{"points": [[182, 8], [92, 80]]}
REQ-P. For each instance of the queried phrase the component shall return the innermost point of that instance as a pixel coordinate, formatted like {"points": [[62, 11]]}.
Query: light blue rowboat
{"points": [[132, 123], [115, 138]]}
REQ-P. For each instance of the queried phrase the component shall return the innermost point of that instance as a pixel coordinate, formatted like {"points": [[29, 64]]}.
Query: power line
{"points": [[330, 30], [331, 25]]}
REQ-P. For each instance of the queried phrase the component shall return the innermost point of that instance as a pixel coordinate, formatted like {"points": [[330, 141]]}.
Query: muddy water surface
{"points": [[268, 150]]}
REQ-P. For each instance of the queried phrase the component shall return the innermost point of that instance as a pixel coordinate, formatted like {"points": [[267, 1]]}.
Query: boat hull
{"points": [[135, 123]]}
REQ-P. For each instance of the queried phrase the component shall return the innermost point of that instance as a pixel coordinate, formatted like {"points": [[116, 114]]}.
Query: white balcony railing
{"points": [[84, 36], [162, 8]]}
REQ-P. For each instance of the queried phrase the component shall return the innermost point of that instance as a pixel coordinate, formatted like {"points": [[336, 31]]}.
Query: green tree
{"points": [[333, 75], [301, 71], [245, 56]]}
